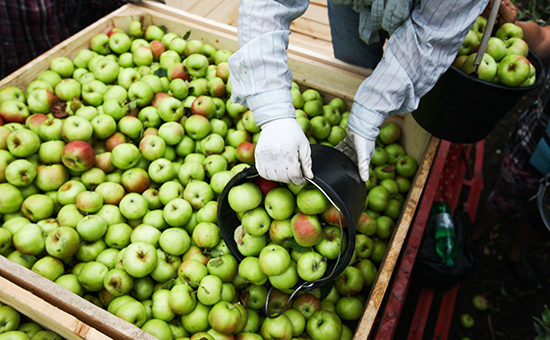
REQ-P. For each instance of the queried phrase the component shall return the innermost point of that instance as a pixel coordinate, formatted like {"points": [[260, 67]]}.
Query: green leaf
{"points": [[216, 253], [169, 284], [161, 72], [132, 105], [186, 35], [162, 27], [28, 258], [295, 246]]}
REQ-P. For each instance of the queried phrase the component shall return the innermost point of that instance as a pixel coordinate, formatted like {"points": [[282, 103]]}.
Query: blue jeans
{"points": [[346, 41]]}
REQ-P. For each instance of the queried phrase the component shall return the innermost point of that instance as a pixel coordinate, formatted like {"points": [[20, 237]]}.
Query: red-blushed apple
{"points": [[135, 180], [51, 177], [115, 139], [480, 302], [307, 229], [245, 152], [466, 320], [265, 185], [14, 111], [280, 232], [112, 192], [332, 216], [157, 47], [103, 162], [78, 155], [513, 70], [306, 304], [158, 98]]}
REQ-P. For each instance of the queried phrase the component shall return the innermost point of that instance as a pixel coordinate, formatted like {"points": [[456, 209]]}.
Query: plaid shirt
{"points": [[29, 28], [530, 128]]}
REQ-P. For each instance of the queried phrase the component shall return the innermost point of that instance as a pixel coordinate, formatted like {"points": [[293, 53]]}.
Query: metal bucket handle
{"points": [[308, 284]]}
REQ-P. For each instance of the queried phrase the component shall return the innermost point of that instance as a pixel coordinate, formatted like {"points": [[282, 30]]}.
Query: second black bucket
{"points": [[463, 109], [337, 175]]}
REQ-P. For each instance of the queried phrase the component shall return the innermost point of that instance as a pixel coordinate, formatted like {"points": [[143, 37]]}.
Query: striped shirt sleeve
{"points": [[416, 55], [260, 77]]}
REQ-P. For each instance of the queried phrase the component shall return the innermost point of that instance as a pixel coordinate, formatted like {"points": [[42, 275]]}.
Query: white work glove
{"points": [[283, 153], [359, 149]]}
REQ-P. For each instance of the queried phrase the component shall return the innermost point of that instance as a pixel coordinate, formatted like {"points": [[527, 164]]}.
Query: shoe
{"points": [[523, 271]]}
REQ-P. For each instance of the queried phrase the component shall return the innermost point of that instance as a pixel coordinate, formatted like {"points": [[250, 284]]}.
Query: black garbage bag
{"points": [[429, 269]]}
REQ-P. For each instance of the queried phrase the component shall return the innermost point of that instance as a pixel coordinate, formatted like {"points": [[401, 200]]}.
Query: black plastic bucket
{"points": [[463, 109], [337, 175]]}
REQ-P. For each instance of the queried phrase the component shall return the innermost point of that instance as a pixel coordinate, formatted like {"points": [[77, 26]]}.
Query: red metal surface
{"points": [[450, 173], [400, 285], [445, 316], [421, 314]]}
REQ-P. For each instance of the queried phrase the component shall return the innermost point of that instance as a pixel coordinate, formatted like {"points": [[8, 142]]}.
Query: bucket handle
{"points": [[308, 284], [486, 35]]}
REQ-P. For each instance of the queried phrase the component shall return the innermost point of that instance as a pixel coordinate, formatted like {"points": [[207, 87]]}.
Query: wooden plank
{"points": [[227, 12], [312, 29], [184, 5], [71, 303], [319, 2], [316, 13], [313, 44], [48, 316], [387, 266], [203, 8]]}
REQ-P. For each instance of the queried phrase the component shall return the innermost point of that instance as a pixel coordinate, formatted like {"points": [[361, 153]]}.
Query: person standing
{"points": [[423, 38]]}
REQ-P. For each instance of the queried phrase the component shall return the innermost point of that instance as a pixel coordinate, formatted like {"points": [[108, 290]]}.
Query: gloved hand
{"points": [[359, 149], [283, 153]]}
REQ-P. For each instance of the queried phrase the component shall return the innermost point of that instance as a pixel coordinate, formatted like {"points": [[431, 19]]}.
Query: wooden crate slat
{"points": [[203, 8], [227, 12], [71, 303], [319, 2], [312, 44], [182, 4], [45, 314], [312, 29], [316, 13]]}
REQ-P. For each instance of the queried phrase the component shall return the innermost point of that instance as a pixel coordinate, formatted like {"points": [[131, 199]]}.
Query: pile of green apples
{"points": [[505, 60], [111, 164]]}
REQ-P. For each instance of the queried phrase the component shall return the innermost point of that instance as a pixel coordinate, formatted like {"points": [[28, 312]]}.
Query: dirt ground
{"points": [[512, 304]]}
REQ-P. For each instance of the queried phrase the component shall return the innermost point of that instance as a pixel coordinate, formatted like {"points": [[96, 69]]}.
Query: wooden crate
{"points": [[310, 69], [47, 315]]}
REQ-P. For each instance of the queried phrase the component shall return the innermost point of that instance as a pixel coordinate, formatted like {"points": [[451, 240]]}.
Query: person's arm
{"points": [[537, 37], [416, 55], [261, 80]]}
